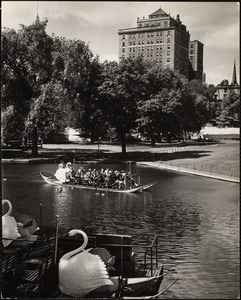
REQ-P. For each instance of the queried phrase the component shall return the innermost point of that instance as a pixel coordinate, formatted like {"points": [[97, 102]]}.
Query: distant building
{"points": [[224, 88], [160, 38], [196, 60]]}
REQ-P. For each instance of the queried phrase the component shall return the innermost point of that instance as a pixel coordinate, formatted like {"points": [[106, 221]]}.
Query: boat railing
{"points": [[152, 251]]}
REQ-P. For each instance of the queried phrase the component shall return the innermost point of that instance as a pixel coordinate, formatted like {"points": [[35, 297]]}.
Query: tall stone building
{"points": [[160, 38], [196, 60]]}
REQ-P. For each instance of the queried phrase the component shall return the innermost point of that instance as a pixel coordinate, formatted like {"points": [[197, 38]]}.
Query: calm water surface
{"points": [[196, 220]]}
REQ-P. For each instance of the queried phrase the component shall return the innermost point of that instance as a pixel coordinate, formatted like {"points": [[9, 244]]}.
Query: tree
{"points": [[230, 111], [120, 93], [79, 72], [161, 112], [26, 64]]}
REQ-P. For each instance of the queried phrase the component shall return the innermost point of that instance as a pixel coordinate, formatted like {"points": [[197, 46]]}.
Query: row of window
{"points": [[142, 49], [161, 24], [142, 55], [142, 42], [149, 34], [149, 48]]}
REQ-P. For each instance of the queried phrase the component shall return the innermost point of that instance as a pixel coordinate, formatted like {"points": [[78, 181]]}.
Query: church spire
{"points": [[234, 80], [37, 17]]}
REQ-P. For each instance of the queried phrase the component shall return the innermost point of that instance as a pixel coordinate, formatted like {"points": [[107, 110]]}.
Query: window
{"points": [[123, 50], [168, 52], [168, 59], [123, 44], [168, 40]]}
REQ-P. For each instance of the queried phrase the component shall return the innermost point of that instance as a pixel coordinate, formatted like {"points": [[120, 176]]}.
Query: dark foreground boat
{"points": [[51, 179], [30, 269]]}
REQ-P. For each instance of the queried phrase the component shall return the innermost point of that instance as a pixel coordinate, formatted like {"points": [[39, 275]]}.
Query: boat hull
{"points": [[50, 179]]}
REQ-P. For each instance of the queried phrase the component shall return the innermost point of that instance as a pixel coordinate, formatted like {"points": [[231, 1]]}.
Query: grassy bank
{"points": [[219, 158]]}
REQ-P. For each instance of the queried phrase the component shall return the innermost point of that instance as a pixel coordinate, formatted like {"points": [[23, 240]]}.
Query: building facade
{"points": [[224, 88], [196, 60], [160, 38]]}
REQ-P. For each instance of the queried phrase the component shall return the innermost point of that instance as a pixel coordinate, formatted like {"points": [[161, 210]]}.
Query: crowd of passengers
{"points": [[104, 178]]}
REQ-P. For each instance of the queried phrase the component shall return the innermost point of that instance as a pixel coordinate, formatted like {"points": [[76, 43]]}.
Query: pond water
{"points": [[196, 220]]}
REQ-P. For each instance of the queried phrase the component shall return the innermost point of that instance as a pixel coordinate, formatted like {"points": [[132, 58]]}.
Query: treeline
{"points": [[50, 83]]}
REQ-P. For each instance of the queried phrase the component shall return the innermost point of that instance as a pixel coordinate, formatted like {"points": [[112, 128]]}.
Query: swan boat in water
{"points": [[50, 178], [42, 268]]}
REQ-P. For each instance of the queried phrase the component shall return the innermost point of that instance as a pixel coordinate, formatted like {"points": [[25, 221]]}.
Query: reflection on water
{"points": [[196, 220]]}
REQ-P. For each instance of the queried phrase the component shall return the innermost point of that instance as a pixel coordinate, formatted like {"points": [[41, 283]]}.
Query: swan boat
{"points": [[33, 271], [50, 178]]}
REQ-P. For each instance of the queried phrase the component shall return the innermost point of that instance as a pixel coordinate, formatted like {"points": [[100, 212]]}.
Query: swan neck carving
{"points": [[9, 207], [81, 248]]}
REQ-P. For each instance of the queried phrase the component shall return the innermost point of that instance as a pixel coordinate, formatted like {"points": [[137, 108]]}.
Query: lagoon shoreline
{"points": [[218, 160]]}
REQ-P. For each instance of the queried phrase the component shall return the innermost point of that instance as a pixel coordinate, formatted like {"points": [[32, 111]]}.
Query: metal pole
{"points": [[122, 256], [151, 262], [56, 239], [129, 166], [41, 220], [156, 252]]}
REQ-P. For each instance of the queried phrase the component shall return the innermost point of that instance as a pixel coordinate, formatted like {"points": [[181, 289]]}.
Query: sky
{"points": [[215, 24]]}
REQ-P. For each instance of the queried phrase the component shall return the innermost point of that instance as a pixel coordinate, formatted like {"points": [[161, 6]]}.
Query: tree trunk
{"points": [[123, 144], [35, 142], [153, 141]]}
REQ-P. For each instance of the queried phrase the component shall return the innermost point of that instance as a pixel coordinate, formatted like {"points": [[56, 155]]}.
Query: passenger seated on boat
{"points": [[122, 179], [78, 176], [132, 180], [71, 174], [101, 180]]}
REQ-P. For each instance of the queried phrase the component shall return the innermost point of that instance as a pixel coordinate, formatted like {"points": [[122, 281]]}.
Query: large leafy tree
{"points": [[120, 93], [80, 73], [159, 113], [26, 65]]}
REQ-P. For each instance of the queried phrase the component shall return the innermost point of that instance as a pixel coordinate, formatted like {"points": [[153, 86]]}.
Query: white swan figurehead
{"points": [[81, 272], [9, 226]]}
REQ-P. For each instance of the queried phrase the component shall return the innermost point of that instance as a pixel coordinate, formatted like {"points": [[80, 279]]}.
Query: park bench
{"points": [[20, 144]]}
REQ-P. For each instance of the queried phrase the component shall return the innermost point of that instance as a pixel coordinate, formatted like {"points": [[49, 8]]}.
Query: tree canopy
{"points": [[50, 83]]}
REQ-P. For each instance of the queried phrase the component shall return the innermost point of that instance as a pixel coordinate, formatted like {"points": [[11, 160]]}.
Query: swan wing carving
{"points": [[9, 226], [81, 272]]}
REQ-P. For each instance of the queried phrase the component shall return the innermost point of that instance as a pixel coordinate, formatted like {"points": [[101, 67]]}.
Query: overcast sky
{"points": [[215, 24]]}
